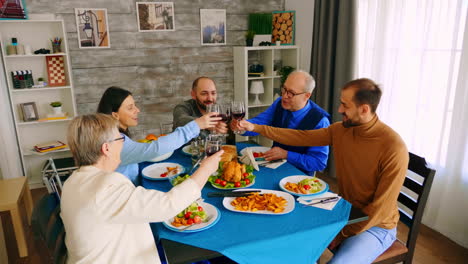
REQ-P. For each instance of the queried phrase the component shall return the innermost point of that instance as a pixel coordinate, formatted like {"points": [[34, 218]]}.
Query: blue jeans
{"points": [[364, 247]]}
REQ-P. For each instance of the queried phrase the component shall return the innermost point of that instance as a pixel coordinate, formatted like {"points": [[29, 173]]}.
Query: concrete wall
{"points": [[304, 28], [158, 67]]}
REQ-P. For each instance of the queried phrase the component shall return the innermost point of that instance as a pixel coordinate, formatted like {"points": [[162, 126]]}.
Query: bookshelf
{"points": [[270, 57], [37, 34]]}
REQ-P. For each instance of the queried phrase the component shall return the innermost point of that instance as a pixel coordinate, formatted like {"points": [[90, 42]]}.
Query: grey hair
{"points": [[310, 81], [87, 133]]}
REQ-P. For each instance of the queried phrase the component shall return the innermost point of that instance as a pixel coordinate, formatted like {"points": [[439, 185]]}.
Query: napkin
{"points": [[249, 159], [327, 206], [272, 165]]}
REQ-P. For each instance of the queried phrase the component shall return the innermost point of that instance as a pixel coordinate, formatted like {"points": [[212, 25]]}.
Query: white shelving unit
{"points": [[37, 34], [266, 56]]}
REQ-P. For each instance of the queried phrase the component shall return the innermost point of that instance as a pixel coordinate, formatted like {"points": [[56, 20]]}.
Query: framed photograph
{"points": [[13, 10], [213, 26], [155, 16], [92, 28], [283, 27], [29, 111]]}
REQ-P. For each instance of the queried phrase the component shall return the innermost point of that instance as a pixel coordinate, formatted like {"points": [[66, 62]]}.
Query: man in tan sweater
{"points": [[371, 163]]}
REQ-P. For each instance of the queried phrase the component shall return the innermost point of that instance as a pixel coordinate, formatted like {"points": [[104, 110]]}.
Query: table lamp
{"points": [[256, 87]]}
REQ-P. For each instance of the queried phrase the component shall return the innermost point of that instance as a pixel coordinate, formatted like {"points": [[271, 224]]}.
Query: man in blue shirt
{"points": [[294, 110]]}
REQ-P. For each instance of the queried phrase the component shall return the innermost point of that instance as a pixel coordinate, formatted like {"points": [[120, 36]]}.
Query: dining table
{"points": [[299, 236]]}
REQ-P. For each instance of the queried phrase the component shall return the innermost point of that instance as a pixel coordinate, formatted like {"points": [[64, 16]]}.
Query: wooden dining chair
{"points": [[400, 251], [48, 230]]}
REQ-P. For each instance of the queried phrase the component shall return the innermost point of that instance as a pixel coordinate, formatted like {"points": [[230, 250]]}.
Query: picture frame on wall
{"points": [[155, 16], [213, 26], [92, 28], [11, 10], [29, 111], [283, 27]]}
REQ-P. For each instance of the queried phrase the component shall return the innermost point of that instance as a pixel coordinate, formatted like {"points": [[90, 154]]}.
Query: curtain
{"points": [[332, 57], [333, 45], [418, 52]]}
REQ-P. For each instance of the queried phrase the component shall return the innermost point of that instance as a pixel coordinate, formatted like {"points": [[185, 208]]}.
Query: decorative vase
{"points": [[249, 42]]}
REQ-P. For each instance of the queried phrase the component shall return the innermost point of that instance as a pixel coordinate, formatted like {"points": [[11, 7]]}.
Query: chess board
{"points": [[56, 70]]}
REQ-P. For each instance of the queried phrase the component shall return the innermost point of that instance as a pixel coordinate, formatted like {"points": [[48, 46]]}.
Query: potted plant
{"points": [[40, 81], [284, 72], [57, 106], [249, 37]]}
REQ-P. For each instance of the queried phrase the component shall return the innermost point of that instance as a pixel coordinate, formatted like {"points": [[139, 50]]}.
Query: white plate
{"points": [[255, 149], [289, 206], [298, 178], [210, 210], [153, 172], [221, 188], [186, 150], [162, 157]]}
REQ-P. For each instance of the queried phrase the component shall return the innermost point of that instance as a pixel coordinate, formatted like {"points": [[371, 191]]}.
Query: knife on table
{"points": [[264, 164], [232, 194], [324, 200]]}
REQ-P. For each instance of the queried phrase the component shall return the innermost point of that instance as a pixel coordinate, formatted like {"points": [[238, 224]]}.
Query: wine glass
{"points": [[214, 108], [238, 112], [212, 144], [225, 112]]}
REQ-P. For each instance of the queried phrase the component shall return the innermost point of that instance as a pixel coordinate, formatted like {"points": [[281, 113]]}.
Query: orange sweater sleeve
{"points": [[394, 166], [293, 137]]}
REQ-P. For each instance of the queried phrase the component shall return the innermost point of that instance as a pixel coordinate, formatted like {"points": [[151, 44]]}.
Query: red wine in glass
{"points": [[238, 115], [211, 150], [224, 117]]}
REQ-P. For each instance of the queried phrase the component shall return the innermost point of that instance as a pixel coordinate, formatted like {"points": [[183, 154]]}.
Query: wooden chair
{"points": [[400, 251], [48, 230]]}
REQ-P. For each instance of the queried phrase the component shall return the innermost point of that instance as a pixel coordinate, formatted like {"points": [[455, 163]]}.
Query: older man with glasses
{"points": [[294, 110]]}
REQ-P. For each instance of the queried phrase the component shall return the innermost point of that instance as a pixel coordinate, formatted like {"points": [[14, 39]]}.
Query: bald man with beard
{"points": [[203, 94]]}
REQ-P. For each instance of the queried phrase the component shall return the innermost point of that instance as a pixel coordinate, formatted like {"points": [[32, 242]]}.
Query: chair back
{"points": [[420, 187], [48, 229]]}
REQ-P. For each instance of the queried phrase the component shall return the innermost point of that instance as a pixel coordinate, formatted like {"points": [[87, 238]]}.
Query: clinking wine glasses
{"points": [[238, 112]]}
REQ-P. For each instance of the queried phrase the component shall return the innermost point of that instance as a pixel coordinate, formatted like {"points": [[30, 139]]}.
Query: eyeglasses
{"points": [[285, 91], [117, 139]]}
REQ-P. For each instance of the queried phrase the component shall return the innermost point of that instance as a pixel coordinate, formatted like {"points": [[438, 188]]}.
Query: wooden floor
{"points": [[432, 247]]}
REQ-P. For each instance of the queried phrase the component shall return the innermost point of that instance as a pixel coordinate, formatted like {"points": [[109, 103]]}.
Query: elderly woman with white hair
{"points": [[106, 217]]}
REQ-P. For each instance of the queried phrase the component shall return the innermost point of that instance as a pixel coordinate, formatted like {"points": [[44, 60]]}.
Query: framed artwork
{"points": [[92, 28], [155, 16], [56, 70], [13, 10], [213, 26], [29, 111], [283, 27]]}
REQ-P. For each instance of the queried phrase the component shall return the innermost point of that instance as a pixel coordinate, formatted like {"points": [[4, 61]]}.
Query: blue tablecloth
{"points": [[298, 237]]}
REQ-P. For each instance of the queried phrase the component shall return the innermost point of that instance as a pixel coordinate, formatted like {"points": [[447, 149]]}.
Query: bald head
{"points": [[303, 79], [204, 92]]}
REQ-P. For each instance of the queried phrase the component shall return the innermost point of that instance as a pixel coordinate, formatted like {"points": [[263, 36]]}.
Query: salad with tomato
{"points": [[179, 179], [219, 182], [194, 214], [306, 186]]}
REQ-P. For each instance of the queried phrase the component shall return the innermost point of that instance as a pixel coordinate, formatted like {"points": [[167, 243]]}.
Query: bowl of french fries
{"points": [[269, 202], [301, 185]]}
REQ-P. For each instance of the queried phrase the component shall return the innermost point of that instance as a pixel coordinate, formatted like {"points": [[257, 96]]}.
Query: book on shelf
{"points": [[49, 146], [255, 74]]}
